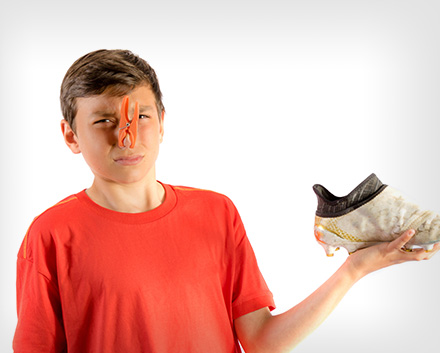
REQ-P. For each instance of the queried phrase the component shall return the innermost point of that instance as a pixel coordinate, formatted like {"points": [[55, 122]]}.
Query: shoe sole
{"points": [[331, 242]]}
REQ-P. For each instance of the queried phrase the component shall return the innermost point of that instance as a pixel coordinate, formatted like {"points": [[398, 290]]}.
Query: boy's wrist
{"points": [[353, 269]]}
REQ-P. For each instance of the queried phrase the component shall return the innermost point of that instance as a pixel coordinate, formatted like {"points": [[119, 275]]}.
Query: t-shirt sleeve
{"points": [[40, 325], [250, 289]]}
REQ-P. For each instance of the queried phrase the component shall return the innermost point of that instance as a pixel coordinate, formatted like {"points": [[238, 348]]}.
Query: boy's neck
{"points": [[127, 198]]}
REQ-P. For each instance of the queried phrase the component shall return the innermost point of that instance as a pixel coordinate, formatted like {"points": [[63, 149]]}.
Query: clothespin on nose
{"points": [[128, 129]]}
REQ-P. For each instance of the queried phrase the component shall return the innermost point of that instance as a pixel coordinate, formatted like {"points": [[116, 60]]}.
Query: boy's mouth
{"points": [[129, 160]]}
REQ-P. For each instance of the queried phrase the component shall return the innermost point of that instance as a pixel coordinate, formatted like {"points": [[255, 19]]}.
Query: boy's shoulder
{"points": [[203, 201], [192, 193], [58, 211], [189, 190], [40, 229]]}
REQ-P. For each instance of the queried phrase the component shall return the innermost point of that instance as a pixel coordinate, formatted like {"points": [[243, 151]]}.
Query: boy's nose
{"points": [[128, 129], [127, 142], [127, 137]]}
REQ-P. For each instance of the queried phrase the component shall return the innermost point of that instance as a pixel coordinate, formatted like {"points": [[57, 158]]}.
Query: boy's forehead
{"points": [[97, 103], [111, 103]]}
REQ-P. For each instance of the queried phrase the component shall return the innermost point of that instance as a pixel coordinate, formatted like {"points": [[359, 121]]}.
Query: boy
{"points": [[135, 265]]}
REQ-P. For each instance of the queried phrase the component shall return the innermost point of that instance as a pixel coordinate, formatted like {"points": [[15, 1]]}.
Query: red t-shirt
{"points": [[169, 280]]}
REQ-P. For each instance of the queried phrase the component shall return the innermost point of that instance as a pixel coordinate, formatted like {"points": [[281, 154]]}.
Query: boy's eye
{"points": [[143, 116], [102, 121]]}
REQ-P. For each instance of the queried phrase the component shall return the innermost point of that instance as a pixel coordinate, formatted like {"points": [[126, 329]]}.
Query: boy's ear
{"points": [[70, 137], [161, 125]]}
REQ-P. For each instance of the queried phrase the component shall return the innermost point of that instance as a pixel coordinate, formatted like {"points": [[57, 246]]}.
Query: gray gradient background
{"points": [[263, 100]]}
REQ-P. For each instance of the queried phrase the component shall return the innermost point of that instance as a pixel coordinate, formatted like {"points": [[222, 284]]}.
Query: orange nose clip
{"points": [[128, 129]]}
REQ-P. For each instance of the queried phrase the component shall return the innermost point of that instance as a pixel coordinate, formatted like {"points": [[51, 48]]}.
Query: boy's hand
{"points": [[383, 255], [259, 331]]}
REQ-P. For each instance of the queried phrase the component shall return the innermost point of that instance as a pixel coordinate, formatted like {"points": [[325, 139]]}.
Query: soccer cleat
{"points": [[371, 214]]}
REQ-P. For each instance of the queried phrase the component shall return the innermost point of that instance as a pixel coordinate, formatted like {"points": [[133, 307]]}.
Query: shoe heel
{"points": [[329, 249]]}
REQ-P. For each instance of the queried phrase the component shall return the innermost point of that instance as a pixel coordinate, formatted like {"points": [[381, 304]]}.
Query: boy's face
{"points": [[97, 131]]}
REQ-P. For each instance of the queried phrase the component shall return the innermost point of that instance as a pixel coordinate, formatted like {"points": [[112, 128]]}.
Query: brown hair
{"points": [[116, 72]]}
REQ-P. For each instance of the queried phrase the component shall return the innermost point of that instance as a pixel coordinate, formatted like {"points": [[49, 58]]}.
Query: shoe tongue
{"points": [[331, 205]]}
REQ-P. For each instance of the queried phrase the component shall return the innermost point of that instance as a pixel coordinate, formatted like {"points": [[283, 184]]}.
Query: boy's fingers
{"points": [[400, 242], [415, 254]]}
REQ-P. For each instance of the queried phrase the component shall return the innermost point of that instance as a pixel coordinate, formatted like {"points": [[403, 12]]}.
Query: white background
{"points": [[263, 100]]}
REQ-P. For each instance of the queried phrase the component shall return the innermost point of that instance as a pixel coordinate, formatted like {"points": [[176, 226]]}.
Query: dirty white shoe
{"points": [[370, 214]]}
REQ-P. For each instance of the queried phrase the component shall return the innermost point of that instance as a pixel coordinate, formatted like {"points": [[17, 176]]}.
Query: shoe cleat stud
{"points": [[351, 248], [329, 249], [428, 247]]}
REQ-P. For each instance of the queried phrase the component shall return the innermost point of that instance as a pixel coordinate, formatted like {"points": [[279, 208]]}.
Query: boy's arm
{"points": [[40, 324], [259, 331]]}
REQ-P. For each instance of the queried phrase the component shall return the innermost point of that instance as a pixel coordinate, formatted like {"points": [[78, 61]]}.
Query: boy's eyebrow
{"points": [[143, 108], [113, 114], [104, 114]]}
